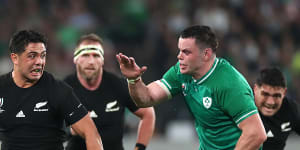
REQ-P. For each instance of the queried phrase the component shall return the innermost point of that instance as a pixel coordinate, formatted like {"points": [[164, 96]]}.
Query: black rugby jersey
{"points": [[32, 118], [279, 126], [107, 105]]}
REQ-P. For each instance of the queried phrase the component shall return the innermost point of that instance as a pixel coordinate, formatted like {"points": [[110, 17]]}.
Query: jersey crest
{"points": [[285, 127], [207, 101], [41, 106], [112, 106]]}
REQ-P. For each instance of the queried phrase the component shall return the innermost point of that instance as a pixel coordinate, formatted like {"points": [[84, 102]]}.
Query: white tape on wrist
{"points": [[133, 81]]}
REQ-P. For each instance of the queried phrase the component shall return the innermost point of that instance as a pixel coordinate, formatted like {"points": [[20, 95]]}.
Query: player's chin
{"points": [[35, 76], [183, 70]]}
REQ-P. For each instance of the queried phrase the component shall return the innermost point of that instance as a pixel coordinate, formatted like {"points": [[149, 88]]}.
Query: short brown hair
{"points": [[89, 37]]}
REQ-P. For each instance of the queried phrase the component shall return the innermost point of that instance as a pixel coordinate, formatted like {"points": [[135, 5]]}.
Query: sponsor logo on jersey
{"points": [[93, 114], [285, 127], [20, 114], [111, 106], [1, 104], [41, 106], [270, 134], [207, 102]]}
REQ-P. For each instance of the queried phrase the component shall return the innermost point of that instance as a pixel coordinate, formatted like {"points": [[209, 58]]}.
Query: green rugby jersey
{"points": [[218, 101]]}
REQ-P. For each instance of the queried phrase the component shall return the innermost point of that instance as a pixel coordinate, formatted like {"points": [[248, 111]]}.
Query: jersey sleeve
{"points": [[238, 102], [170, 81], [68, 104], [125, 97], [294, 107]]}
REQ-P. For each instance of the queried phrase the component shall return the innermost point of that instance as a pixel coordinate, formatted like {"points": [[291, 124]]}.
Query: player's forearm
{"points": [[92, 139], [93, 142], [140, 94], [250, 141], [86, 128], [146, 128]]}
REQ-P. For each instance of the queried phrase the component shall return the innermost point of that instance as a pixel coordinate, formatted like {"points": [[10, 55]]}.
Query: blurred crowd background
{"points": [[253, 34]]}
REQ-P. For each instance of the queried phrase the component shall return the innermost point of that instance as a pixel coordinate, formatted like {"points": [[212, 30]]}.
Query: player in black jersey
{"points": [[279, 114], [106, 97], [34, 105]]}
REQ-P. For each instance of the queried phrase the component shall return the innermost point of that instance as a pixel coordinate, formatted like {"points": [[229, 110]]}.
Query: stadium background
{"points": [[252, 34]]}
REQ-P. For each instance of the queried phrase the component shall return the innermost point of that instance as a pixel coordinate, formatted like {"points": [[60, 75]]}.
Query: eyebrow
{"points": [[44, 51], [275, 94]]}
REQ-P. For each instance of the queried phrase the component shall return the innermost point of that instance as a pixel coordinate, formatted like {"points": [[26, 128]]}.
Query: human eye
{"points": [[277, 96], [31, 56], [85, 55], [96, 56], [265, 94], [43, 55], [186, 52]]}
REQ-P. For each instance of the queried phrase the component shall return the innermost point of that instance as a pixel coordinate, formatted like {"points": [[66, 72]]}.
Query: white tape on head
{"points": [[85, 49]]}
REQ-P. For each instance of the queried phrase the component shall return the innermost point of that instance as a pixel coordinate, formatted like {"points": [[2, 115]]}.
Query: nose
{"points": [[40, 60], [91, 60], [270, 100], [179, 56]]}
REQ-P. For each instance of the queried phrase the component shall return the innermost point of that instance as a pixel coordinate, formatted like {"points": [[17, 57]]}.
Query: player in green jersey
{"points": [[218, 96]]}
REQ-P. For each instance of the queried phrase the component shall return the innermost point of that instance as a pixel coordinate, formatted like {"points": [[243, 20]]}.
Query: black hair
{"points": [[21, 39], [271, 76], [202, 34]]}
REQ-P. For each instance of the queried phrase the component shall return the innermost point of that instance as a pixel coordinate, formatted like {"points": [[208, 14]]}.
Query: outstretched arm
{"points": [[146, 125], [143, 96], [86, 128], [253, 134]]}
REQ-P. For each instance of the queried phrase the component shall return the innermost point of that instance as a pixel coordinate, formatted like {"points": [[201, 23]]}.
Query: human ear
{"points": [[14, 58]]}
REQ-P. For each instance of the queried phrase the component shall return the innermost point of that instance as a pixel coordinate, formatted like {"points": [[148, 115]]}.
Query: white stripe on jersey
{"points": [[212, 70], [164, 87], [245, 116]]}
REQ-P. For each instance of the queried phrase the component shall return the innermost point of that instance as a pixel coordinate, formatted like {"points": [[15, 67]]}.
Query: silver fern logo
{"points": [[1, 104]]}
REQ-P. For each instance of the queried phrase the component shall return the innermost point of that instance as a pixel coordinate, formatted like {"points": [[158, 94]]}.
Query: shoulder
{"points": [[229, 76], [289, 104], [111, 78], [110, 75], [51, 82], [70, 79], [5, 78], [6, 82], [224, 68]]}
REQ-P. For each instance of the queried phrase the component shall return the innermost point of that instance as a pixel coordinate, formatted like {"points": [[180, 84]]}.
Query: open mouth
{"points": [[36, 71], [270, 106], [182, 65]]}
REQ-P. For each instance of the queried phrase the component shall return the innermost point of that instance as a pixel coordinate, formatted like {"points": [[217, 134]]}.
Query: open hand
{"points": [[129, 68]]}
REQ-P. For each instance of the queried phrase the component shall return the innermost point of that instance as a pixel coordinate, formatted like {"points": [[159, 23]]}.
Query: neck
{"points": [[90, 84], [21, 81], [206, 67]]}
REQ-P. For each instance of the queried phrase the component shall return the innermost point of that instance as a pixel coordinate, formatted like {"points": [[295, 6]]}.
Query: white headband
{"points": [[85, 49]]}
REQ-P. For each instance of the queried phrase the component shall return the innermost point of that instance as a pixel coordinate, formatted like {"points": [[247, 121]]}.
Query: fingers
{"points": [[128, 66], [131, 61], [143, 69], [118, 58], [122, 59]]}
